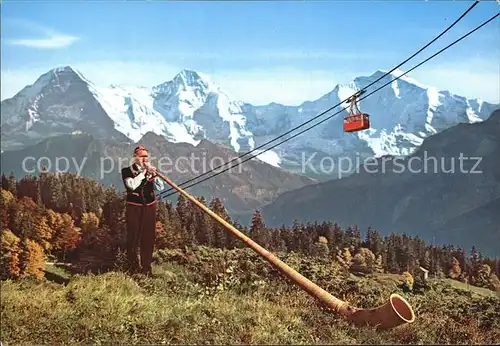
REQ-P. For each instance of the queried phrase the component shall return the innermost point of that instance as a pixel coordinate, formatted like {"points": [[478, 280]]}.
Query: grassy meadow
{"points": [[205, 295]]}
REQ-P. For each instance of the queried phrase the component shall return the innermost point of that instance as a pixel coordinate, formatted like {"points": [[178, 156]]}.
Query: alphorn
{"points": [[395, 312]]}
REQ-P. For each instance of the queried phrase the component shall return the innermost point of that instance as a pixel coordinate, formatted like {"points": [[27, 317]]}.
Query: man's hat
{"points": [[140, 150]]}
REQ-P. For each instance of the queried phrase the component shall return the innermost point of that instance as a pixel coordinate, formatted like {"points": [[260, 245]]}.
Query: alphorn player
{"points": [[140, 180]]}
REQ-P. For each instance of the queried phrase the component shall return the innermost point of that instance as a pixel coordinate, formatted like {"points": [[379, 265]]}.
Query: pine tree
{"points": [[373, 241], [219, 231], [190, 238], [287, 235], [277, 240], [231, 240], [93, 196], [174, 231], [404, 254], [425, 259], [5, 182], [295, 235], [475, 260], [78, 203], [203, 231], [352, 238], [306, 240], [393, 249], [11, 184], [98, 249], [338, 237], [28, 187], [161, 240], [57, 197], [183, 210], [162, 212], [258, 230]]}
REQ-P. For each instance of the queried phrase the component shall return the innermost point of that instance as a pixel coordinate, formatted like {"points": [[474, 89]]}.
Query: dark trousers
{"points": [[141, 228]]}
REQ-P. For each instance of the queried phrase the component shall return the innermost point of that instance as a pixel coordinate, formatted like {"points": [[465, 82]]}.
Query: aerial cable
{"points": [[331, 108], [323, 113], [331, 116], [429, 58]]}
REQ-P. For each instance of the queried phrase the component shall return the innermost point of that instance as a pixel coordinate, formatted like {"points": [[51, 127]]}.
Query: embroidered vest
{"points": [[142, 195]]}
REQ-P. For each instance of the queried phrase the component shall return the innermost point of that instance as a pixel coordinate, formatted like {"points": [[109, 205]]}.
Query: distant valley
{"points": [[456, 201]]}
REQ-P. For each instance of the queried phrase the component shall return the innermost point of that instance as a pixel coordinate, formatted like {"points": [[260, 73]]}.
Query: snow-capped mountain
{"points": [[402, 114], [191, 107], [242, 190], [459, 208], [59, 102]]}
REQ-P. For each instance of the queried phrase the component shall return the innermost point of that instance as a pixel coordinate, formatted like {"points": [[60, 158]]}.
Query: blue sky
{"points": [[259, 52]]}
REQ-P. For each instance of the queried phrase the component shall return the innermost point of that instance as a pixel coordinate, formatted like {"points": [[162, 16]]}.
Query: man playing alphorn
{"points": [[140, 180]]}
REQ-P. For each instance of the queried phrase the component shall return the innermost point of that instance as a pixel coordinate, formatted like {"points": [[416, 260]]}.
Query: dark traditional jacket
{"points": [[144, 194]]}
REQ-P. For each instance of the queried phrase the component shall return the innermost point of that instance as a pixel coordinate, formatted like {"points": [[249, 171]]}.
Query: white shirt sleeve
{"points": [[159, 185], [133, 183]]}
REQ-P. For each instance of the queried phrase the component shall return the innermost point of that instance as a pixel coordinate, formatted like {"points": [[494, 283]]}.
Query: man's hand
{"points": [[150, 169]]}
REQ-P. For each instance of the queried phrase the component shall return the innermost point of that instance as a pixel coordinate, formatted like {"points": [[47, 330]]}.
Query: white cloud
{"points": [[288, 86], [57, 41], [48, 38]]}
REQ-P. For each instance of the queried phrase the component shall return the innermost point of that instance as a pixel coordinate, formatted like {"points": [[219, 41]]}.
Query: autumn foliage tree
{"points": [[9, 255], [455, 269], [32, 259], [65, 236], [364, 261], [320, 248], [75, 219]]}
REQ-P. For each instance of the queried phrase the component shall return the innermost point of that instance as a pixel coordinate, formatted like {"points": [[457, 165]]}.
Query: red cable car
{"points": [[356, 121]]}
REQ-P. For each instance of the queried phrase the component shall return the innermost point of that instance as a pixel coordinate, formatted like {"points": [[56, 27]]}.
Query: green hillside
{"points": [[209, 287], [213, 296]]}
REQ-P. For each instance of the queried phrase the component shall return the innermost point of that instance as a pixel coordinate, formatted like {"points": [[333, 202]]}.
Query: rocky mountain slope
{"points": [[448, 191], [242, 189], [191, 107]]}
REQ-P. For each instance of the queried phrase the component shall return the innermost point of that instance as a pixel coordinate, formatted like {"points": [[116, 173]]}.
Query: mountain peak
{"points": [[63, 69], [187, 79], [63, 75], [190, 77], [395, 74], [66, 73]]}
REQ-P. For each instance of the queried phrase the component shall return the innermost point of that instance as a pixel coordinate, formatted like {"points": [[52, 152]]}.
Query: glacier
{"points": [[191, 107]]}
